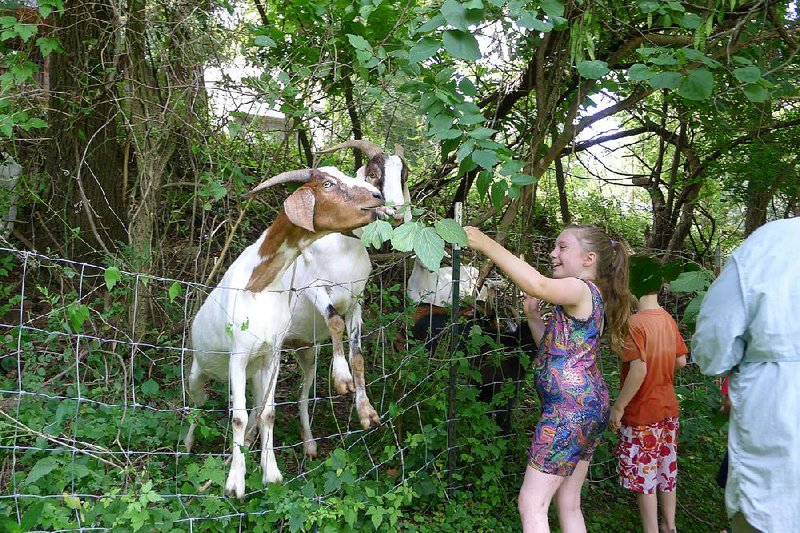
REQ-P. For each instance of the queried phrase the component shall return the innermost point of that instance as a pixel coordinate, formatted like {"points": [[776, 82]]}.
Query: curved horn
{"points": [[370, 149], [291, 175]]}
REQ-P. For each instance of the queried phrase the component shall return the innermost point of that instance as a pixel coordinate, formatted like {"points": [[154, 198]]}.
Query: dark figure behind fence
{"points": [[496, 367]]}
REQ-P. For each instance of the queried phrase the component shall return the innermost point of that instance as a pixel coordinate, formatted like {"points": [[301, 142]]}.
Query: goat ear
{"points": [[299, 208]]}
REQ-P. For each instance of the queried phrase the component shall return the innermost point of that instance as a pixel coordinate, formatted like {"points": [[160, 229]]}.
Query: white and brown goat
{"points": [[240, 328], [329, 279]]}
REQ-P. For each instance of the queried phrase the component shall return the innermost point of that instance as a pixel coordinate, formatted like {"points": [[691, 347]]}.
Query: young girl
{"points": [[590, 282]]}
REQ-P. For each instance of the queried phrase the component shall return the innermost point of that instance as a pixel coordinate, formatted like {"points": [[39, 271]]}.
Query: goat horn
{"points": [[292, 175], [370, 149]]}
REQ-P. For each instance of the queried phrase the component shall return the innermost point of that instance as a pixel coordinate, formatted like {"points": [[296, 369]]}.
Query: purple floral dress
{"points": [[573, 393]]}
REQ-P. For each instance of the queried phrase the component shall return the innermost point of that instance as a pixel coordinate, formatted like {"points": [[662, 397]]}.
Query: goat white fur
{"points": [[436, 288], [330, 278], [239, 330]]}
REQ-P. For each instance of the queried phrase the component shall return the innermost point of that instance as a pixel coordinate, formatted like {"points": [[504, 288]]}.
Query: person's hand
{"points": [[530, 306], [475, 238], [616, 417]]}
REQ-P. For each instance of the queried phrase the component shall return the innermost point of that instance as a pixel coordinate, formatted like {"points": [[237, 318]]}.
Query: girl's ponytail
{"points": [[612, 279]]}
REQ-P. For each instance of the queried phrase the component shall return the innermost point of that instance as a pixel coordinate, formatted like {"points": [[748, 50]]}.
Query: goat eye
{"points": [[327, 184]]}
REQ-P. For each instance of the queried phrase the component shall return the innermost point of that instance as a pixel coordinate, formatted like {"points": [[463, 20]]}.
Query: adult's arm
{"points": [[718, 342]]}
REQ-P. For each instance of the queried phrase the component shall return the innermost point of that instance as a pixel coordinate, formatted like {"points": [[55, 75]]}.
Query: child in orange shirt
{"points": [[646, 413]]}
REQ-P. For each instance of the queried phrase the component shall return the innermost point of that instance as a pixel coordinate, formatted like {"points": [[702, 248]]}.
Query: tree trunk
{"points": [[85, 157]]}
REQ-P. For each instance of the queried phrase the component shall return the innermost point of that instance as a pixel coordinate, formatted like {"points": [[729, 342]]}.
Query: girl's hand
{"points": [[475, 237], [531, 307]]}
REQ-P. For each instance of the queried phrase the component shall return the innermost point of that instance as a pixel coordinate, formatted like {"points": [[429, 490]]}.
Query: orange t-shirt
{"points": [[654, 338]]}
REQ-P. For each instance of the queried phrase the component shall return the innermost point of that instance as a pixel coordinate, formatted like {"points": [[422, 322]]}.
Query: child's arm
{"points": [[531, 308], [680, 362], [568, 292], [633, 382]]}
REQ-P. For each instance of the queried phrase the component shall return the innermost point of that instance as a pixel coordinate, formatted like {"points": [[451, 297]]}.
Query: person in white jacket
{"points": [[749, 326]]}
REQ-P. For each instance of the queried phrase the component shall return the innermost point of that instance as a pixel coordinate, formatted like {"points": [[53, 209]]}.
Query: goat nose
{"points": [[378, 195]]}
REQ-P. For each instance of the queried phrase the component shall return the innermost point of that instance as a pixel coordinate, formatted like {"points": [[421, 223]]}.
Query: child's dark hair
{"points": [[612, 279]]}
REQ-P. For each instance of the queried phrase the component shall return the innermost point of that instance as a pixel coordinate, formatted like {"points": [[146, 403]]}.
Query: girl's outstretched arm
{"points": [[568, 292]]}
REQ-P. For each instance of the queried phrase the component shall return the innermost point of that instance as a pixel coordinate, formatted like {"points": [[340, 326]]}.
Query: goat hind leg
{"points": [[367, 414], [307, 358]]}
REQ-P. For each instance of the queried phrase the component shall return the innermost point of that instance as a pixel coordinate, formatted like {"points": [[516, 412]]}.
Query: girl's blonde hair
{"points": [[612, 279]]}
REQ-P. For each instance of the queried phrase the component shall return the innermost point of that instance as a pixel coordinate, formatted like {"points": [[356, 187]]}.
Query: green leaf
{"points": [[467, 87], [41, 469], [403, 236], [690, 21], [640, 72], [48, 45], [483, 183], [451, 231], [149, 388], [499, 189], [429, 247], [175, 290], [697, 84], [25, 31], [359, 43], [455, 14], [553, 8], [77, 314], [424, 49], [485, 158], [523, 179], [111, 276], [756, 93], [664, 59], [749, 74], [665, 80], [376, 233], [465, 150], [264, 40], [482, 133], [592, 70], [462, 45], [693, 309], [691, 281]]}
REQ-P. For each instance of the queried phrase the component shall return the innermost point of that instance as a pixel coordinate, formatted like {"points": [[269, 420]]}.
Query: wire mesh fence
{"points": [[94, 409]]}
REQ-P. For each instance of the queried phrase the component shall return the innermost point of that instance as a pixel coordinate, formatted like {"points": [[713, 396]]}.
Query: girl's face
{"points": [[568, 258]]}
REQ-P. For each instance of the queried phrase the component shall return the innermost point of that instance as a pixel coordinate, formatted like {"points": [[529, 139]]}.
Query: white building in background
{"points": [[231, 100]]}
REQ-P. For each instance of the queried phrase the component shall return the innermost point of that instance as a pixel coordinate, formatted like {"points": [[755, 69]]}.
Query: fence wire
{"points": [[87, 394]]}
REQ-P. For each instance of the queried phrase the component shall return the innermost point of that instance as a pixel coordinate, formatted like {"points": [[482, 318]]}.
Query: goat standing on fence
{"points": [[240, 328], [330, 278]]}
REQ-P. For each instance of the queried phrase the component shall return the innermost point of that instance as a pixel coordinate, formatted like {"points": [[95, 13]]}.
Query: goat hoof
{"points": [[272, 476], [368, 416], [188, 440], [310, 448], [344, 386], [234, 487]]}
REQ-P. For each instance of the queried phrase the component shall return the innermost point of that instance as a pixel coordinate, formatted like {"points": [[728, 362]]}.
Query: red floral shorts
{"points": [[647, 456]]}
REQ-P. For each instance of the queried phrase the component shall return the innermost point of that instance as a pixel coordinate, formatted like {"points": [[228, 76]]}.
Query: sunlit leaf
{"points": [[451, 231]]}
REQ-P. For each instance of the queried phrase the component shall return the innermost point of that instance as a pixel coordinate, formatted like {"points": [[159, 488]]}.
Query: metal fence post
{"points": [[454, 337]]}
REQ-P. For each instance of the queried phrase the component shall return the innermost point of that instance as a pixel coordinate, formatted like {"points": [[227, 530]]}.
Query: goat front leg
{"points": [[307, 358], [366, 413], [342, 379], [269, 376], [235, 485]]}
